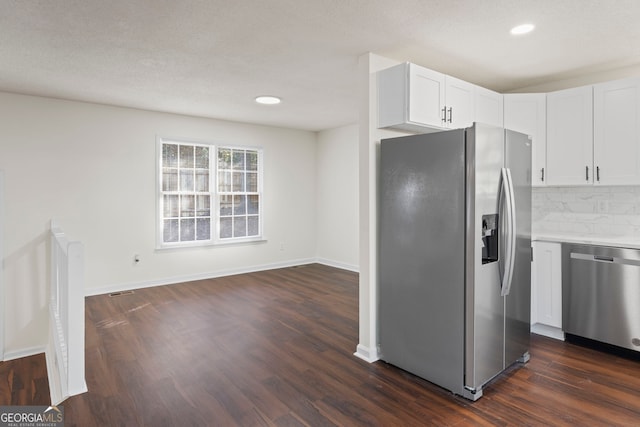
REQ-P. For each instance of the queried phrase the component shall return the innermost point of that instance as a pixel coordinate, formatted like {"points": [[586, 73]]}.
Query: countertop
{"points": [[615, 241]]}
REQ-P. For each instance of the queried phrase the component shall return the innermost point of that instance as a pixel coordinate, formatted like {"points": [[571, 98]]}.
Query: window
{"points": [[208, 194]]}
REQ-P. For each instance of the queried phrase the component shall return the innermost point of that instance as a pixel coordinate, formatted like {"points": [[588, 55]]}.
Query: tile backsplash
{"points": [[587, 211]]}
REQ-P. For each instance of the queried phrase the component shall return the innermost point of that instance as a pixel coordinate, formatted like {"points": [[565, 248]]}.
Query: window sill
{"points": [[235, 242]]}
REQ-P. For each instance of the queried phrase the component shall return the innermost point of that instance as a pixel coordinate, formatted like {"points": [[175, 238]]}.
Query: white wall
{"points": [[337, 197], [93, 168]]}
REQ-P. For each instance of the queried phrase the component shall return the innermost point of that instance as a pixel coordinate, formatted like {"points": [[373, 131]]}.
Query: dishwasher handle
{"points": [[607, 259]]}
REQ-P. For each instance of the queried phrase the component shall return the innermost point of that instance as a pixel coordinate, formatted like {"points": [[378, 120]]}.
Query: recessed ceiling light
{"points": [[268, 100], [522, 29]]}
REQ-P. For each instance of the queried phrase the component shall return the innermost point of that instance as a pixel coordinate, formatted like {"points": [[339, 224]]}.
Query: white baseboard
{"points": [[214, 274], [548, 331], [364, 353], [24, 352], [191, 277], [338, 264]]}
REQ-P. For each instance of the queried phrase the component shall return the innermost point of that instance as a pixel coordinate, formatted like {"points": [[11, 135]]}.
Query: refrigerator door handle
{"points": [[504, 224], [511, 233], [506, 199]]}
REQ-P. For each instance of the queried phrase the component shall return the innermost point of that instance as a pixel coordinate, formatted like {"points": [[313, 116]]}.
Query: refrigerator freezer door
{"points": [[484, 305], [518, 302], [421, 263]]}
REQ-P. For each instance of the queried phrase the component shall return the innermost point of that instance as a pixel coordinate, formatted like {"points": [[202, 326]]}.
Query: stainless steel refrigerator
{"points": [[455, 255]]}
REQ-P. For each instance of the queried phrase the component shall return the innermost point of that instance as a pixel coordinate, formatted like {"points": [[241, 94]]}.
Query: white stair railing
{"points": [[65, 350]]}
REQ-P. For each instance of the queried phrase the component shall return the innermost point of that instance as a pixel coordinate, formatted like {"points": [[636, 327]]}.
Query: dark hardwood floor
{"points": [[275, 348], [24, 381]]}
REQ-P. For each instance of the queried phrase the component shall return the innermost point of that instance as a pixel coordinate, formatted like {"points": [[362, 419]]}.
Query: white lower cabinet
{"points": [[546, 289]]}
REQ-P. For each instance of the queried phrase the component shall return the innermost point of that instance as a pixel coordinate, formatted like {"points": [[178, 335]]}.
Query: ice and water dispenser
{"points": [[489, 238]]}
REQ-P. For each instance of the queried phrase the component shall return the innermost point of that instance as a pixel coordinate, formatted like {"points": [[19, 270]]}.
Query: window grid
{"points": [[238, 191], [186, 196], [192, 176]]}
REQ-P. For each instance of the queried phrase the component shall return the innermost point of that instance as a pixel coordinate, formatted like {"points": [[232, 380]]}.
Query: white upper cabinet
{"points": [[417, 99], [489, 107], [616, 127], [410, 97], [587, 135], [527, 113], [593, 134], [570, 137], [425, 90], [459, 103]]}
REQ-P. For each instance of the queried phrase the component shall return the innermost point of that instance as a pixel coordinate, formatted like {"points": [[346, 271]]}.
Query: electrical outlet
{"points": [[136, 258], [282, 246]]}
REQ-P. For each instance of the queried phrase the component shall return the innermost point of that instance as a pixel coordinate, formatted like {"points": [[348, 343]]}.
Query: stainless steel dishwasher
{"points": [[601, 294]]}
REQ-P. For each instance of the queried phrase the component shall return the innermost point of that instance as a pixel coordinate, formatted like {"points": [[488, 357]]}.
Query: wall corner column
{"points": [[368, 156]]}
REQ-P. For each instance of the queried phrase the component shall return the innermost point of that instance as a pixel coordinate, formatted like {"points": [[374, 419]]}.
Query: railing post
{"points": [[75, 318], [65, 354]]}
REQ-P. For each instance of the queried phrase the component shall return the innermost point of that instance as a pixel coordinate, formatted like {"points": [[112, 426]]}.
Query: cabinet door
{"points": [[527, 113], [489, 107], [616, 129], [570, 137], [459, 103], [426, 96], [546, 287]]}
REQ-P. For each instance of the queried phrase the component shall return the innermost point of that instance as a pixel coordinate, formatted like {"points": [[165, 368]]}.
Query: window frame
{"points": [[214, 193]]}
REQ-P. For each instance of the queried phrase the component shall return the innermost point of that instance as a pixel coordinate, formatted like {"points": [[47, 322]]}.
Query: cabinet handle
{"points": [[598, 173], [542, 176], [444, 114], [586, 169], [450, 114]]}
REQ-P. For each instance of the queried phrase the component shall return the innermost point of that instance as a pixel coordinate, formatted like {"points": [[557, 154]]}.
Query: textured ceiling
{"points": [[211, 58]]}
